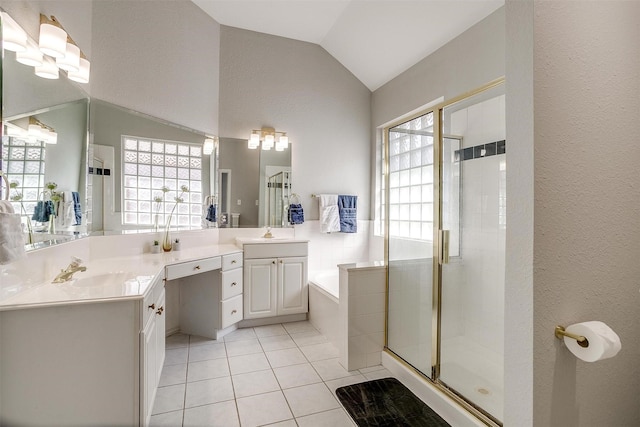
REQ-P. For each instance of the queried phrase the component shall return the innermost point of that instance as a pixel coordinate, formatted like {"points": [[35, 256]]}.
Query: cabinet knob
{"points": [[233, 284], [273, 262], [234, 311], [280, 261], [197, 267], [233, 261], [160, 310], [152, 307]]}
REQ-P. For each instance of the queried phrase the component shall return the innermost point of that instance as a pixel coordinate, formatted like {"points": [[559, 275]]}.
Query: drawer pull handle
{"points": [[197, 267], [234, 311], [280, 261], [233, 261], [160, 310], [152, 306], [233, 284], [273, 262]]}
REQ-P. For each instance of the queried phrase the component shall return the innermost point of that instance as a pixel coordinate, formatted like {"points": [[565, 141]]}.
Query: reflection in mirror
{"points": [[254, 185], [139, 166]]}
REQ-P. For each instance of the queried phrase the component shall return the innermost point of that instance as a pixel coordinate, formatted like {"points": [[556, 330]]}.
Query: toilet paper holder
{"points": [[582, 341]]}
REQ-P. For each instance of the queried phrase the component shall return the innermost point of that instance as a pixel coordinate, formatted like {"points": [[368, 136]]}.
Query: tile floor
{"points": [[278, 375]]}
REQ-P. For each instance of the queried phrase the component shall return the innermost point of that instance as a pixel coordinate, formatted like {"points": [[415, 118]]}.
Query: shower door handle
{"points": [[443, 245]]}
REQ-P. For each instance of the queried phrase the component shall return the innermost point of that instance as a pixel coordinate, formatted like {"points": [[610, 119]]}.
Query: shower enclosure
{"points": [[278, 195], [446, 223]]}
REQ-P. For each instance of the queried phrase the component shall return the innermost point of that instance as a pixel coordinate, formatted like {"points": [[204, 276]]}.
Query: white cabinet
{"points": [[152, 349], [275, 286], [211, 302]]}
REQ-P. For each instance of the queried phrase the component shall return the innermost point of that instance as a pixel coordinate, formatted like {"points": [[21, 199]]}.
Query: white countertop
{"points": [[240, 241], [106, 279]]}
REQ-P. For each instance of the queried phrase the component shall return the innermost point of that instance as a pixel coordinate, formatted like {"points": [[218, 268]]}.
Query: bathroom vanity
{"points": [[90, 351], [275, 276]]}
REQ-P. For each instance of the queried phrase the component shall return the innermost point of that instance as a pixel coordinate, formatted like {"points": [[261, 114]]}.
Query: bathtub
{"points": [[324, 304]]}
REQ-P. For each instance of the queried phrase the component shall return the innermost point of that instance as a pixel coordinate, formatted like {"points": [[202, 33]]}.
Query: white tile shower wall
{"points": [[362, 315], [328, 250]]}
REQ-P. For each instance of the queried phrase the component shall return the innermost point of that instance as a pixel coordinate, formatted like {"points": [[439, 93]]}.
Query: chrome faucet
{"points": [[67, 274]]}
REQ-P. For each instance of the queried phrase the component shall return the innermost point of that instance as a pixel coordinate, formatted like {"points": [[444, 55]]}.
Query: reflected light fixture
{"points": [[30, 56], [47, 70], [209, 145], [267, 136], [41, 132], [14, 38]]}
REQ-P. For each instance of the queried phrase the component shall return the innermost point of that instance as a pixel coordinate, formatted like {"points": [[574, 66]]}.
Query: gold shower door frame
{"points": [[438, 252]]}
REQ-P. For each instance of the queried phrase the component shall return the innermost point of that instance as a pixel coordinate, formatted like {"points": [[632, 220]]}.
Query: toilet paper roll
{"points": [[603, 341]]}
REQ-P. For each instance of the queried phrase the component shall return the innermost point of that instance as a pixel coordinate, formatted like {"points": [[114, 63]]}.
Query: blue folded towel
{"points": [[77, 208], [347, 210], [211, 214], [296, 213], [43, 211]]}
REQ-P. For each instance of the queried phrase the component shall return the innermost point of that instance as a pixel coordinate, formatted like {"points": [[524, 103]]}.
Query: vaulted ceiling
{"points": [[374, 39]]}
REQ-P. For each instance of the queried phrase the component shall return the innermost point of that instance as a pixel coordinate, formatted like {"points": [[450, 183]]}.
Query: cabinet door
{"points": [[293, 291], [160, 319], [260, 292], [148, 369]]}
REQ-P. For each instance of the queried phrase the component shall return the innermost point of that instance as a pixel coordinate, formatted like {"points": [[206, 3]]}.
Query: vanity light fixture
{"points": [[268, 137], [82, 75], [47, 70], [30, 56], [209, 145], [14, 38], [53, 38]]}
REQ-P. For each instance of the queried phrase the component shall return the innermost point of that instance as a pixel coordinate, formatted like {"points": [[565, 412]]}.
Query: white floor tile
{"points": [[297, 327], [371, 369], [240, 334], [296, 375], [196, 340], [276, 342], [254, 383], [263, 409], [168, 419], [286, 357], [222, 414], [198, 353], [242, 347], [176, 356], [376, 375], [269, 330], [207, 369], [208, 391], [308, 338], [177, 341], [248, 363], [310, 399], [320, 351], [288, 423], [173, 374], [333, 418], [341, 382], [170, 398], [331, 369]]}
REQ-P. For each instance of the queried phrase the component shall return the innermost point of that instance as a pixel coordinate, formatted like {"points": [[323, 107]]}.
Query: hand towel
{"points": [[77, 208], [329, 218], [11, 238], [347, 210], [296, 213], [67, 214], [43, 211], [211, 213]]}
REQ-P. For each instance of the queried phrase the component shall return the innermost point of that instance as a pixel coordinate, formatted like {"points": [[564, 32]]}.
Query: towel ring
{"points": [[6, 181], [294, 198]]}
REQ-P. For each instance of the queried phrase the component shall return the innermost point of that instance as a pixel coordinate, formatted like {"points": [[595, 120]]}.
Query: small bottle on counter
{"points": [[176, 245], [155, 247]]}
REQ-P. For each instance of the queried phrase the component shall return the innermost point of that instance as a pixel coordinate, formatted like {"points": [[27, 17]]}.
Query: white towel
{"points": [[66, 215], [329, 217], [11, 238]]}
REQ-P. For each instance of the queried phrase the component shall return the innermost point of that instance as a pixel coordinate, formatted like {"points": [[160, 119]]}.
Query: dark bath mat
{"points": [[387, 402]]}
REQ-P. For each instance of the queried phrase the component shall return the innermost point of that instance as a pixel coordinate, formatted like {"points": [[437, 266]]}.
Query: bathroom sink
{"points": [[106, 279]]}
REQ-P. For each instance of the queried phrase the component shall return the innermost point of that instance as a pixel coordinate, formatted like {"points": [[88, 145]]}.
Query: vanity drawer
{"points": [[231, 261], [230, 311], [231, 283], [184, 269]]}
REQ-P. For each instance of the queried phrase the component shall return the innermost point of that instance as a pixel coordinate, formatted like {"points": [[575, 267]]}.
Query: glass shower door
{"points": [[410, 241], [473, 194]]}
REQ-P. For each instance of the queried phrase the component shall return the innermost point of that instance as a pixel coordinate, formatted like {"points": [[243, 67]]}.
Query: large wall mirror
{"points": [[44, 149]]}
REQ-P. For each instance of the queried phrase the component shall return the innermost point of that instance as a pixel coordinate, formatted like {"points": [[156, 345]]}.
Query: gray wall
{"points": [[299, 88], [587, 207], [157, 57]]}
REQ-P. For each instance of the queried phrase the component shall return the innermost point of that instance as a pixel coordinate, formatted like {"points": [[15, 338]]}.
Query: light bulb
{"points": [[82, 76], [71, 59], [14, 38], [31, 56], [47, 70], [53, 40]]}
